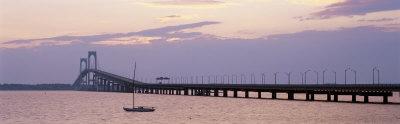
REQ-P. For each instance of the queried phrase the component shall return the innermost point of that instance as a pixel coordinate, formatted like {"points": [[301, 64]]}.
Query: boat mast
{"points": [[133, 91]]}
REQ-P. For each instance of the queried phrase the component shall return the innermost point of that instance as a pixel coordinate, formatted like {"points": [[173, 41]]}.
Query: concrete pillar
{"points": [[259, 94], [335, 97], [312, 96], [186, 92], [328, 97], [366, 99], [290, 95], [235, 93], [225, 93], [118, 88], [246, 94], [104, 85], [353, 98], [385, 99], [273, 94], [216, 92]]}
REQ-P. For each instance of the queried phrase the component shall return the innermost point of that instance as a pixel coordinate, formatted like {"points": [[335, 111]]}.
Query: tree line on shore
{"points": [[36, 87]]}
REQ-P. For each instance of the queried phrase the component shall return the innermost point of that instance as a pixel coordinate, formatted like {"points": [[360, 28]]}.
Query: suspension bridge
{"points": [[91, 78]]}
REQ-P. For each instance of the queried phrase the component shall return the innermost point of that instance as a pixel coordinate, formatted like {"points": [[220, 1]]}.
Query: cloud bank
{"points": [[356, 7], [130, 38], [187, 2], [177, 53]]}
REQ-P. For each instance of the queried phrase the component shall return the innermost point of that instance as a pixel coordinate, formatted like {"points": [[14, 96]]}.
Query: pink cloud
{"points": [[356, 7], [188, 2]]}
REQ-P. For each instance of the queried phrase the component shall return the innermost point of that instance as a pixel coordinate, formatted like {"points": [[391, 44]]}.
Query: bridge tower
{"points": [[91, 77], [92, 53], [82, 63]]}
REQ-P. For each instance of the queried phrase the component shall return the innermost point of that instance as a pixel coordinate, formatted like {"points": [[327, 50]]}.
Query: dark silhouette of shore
{"points": [[36, 87]]}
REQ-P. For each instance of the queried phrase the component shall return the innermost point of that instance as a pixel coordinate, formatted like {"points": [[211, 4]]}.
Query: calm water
{"points": [[75, 107]]}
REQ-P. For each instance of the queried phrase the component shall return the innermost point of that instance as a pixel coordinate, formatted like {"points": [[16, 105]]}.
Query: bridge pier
{"points": [[216, 92], [125, 88], [225, 93], [186, 92], [116, 87], [353, 98], [290, 95], [104, 85], [385, 99], [246, 94], [235, 93], [108, 86], [328, 97], [259, 94], [335, 97], [366, 99], [312, 96], [273, 94], [112, 87]]}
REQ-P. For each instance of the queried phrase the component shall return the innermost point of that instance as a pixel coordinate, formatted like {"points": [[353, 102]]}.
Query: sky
{"points": [[41, 41]]}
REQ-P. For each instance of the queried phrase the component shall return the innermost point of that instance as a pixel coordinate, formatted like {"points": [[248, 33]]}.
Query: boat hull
{"points": [[139, 109]]}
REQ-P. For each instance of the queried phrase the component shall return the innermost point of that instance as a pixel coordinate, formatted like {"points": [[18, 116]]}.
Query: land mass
{"points": [[36, 87]]}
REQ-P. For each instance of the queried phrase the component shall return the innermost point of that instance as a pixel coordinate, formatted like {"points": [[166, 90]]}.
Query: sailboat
{"points": [[137, 108]]}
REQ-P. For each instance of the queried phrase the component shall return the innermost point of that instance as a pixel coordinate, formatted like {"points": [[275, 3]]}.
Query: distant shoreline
{"points": [[37, 87]]}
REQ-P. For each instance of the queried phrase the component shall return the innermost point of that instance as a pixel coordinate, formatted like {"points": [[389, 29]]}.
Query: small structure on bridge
{"points": [[160, 79]]}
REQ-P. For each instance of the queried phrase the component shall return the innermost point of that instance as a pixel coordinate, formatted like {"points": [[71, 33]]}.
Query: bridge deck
{"points": [[105, 81], [330, 87]]}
